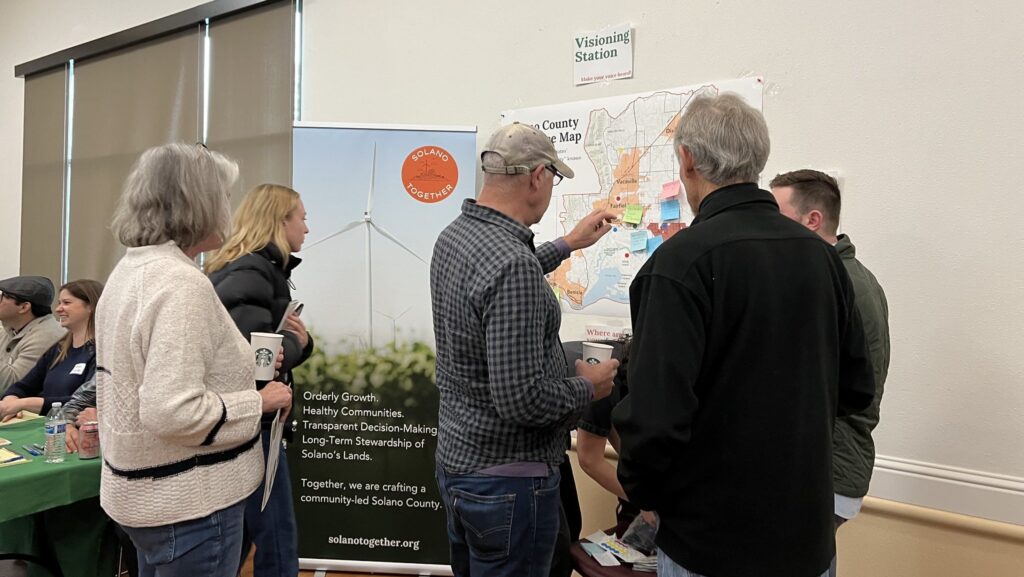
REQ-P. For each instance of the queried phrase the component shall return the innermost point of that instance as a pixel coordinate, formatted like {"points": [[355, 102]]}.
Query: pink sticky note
{"points": [[670, 189]]}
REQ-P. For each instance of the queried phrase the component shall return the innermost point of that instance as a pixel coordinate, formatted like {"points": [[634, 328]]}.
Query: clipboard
{"points": [[277, 428], [293, 307], [273, 454]]}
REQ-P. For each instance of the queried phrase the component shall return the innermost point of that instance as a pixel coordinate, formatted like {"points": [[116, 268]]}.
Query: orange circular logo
{"points": [[430, 174]]}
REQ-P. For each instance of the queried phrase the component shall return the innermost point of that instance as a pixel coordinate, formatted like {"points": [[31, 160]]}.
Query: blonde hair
{"points": [[175, 192], [87, 291], [257, 223]]}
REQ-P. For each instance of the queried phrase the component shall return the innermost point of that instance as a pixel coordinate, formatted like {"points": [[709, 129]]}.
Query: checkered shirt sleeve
{"points": [[501, 370]]}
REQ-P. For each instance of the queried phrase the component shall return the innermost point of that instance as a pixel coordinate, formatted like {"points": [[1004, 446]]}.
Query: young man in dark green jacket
{"points": [[812, 199]]}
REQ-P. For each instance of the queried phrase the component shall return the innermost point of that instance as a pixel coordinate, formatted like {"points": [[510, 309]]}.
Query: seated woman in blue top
{"points": [[63, 368]]}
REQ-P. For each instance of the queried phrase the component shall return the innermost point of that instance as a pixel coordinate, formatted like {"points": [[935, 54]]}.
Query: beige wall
{"points": [[890, 538], [887, 539]]}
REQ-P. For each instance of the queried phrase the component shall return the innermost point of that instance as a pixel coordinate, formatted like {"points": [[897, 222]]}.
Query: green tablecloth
{"points": [[38, 486], [51, 510]]}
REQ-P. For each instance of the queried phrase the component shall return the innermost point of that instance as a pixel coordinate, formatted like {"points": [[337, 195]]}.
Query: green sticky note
{"points": [[634, 213]]}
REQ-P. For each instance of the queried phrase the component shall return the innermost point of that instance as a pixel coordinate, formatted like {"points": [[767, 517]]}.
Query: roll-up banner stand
{"points": [[365, 417]]}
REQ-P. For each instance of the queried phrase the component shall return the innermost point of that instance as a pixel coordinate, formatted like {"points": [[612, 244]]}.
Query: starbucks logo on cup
{"points": [[264, 357], [596, 353]]}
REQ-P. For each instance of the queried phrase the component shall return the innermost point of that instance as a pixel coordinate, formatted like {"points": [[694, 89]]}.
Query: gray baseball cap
{"points": [[523, 148], [37, 290]]}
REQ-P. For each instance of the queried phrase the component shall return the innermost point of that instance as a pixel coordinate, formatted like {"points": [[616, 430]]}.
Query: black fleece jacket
{"points": [[255, 290], [746, 345]]}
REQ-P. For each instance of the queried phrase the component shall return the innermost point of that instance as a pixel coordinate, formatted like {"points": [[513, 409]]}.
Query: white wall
{"points": [[915, 105]]}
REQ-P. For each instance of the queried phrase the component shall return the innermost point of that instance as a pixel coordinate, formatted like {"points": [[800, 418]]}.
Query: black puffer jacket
{"points": [[255, 290]]}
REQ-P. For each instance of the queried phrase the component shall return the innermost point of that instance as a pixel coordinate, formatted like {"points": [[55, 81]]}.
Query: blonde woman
{"points": [[251, 276], [178, 406]]}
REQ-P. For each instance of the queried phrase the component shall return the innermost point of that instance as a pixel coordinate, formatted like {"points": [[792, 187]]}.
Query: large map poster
{"points": [[621, 151]]}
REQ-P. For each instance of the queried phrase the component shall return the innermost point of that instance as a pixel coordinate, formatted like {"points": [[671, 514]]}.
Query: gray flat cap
{"points": [[37, 290]]}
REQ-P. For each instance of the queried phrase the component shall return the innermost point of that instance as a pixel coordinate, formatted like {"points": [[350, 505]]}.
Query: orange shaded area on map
{"points": [[617, 206], [627, 173], [670, 130], [665, 230], [569, 289]]}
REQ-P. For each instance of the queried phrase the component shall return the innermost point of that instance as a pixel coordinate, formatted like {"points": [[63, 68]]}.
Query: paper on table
{"points": [[622, 551], [9, 457], [603, 558], [276, 432], [25, 416], [615, 546], [598, 537]]}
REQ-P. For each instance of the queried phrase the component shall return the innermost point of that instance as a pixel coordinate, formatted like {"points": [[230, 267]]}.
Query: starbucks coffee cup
{"points": [[594, 353], [265, 347]]}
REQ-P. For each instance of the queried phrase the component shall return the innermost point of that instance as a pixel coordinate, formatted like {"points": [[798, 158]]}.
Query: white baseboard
{"points": [[975, 493]]}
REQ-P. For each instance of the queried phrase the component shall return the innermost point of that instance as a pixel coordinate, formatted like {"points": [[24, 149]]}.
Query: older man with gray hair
{"points": [[746, 345]]}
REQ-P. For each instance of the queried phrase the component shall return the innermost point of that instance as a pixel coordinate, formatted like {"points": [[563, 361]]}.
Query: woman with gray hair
{"points": [[178, 406]]}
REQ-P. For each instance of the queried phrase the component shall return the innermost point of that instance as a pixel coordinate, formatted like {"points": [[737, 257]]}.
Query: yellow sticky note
{"points": [[634, 213]]}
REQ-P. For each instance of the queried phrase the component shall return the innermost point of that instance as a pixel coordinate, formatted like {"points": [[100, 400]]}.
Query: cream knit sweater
{"points": [[177, 365]]}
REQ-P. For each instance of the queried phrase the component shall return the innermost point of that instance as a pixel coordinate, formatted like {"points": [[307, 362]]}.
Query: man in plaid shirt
{"points": [[506, 403]]}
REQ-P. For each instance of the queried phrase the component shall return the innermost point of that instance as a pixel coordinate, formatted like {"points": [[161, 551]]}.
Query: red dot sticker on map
{"points": [[430, 174]]}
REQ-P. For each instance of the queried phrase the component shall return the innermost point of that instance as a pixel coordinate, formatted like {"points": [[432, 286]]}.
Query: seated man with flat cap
{"points": [[29, 329]]}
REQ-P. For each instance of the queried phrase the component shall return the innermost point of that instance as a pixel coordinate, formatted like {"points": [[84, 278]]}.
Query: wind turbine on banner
{"points": [[367, 222]]}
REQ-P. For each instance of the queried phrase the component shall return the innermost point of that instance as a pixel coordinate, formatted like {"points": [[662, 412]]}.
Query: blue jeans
{"points": [[273, 529], [501, 526], [669, 568], [207, 546]]}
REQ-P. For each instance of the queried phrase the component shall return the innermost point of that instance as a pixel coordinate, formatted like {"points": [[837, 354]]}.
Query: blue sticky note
{"points": [[653, 243], [670, 209], [638, 240]]}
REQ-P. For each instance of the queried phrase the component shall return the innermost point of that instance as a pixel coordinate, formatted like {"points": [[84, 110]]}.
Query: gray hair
{"points": [[175, 192], [727, 137]]}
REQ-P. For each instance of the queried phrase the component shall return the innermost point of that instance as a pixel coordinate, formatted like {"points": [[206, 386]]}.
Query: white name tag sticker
{"points": [[78, 369]]}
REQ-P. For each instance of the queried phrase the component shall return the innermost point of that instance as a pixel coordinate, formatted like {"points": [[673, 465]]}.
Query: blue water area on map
{"points": [[606, 287]]}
